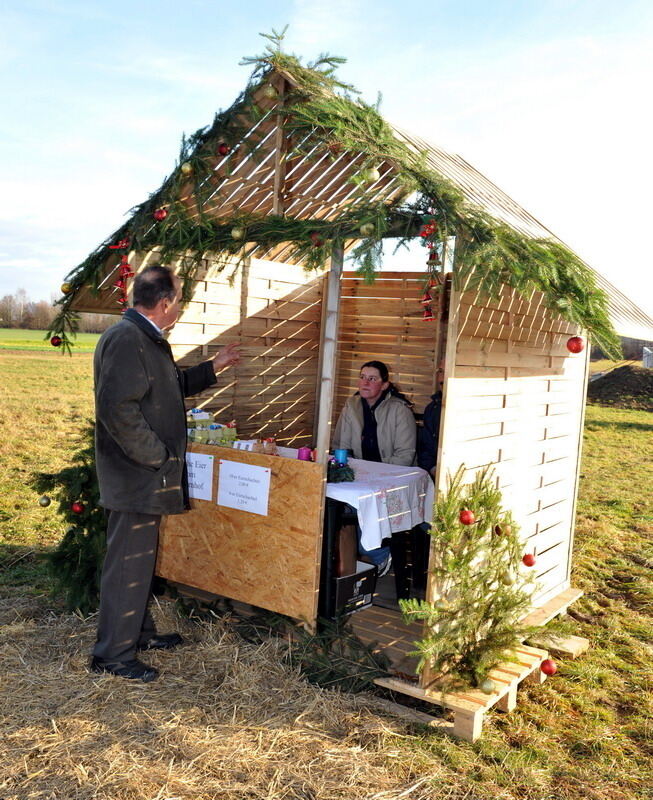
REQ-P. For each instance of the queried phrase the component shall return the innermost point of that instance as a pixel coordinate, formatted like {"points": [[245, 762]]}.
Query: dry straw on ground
{"points": [[225, 720]]}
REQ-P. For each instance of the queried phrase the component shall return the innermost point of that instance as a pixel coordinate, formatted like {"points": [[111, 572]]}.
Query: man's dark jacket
{"points": [[140, 430]]}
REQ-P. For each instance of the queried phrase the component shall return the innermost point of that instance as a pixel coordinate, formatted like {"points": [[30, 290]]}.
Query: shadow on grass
{"points": [[24, 568], [626, 426]]}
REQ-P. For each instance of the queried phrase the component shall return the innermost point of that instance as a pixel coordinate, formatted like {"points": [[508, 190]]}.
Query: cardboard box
{"points": [[354, 592]]}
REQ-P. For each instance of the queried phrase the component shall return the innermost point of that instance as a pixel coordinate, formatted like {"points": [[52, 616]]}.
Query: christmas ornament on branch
{"points": [[322, 113], [477, 616], [75, 565], [575, 344]]}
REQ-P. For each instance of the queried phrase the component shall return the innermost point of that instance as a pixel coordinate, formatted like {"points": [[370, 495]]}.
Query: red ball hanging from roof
{"points": [[160, 214], [56, 341], [575, 344]]}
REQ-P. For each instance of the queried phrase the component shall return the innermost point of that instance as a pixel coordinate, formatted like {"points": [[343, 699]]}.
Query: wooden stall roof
{"points": [[268, 177], [628, 319]]}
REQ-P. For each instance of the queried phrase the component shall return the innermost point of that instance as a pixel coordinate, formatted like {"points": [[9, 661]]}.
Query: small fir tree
{"points": [[475, 558], [76, 563]]}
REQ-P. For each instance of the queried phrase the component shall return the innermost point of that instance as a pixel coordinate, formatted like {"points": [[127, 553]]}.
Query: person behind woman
{"points": [[377, 424]]}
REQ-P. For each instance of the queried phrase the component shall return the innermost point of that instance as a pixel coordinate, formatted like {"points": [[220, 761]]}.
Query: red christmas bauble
{"points": [[77, 508], [56, 341], [575, 344], [467, 517], [317, 240], [529, 559], [160, 214], [223, 149], [548, 666]]}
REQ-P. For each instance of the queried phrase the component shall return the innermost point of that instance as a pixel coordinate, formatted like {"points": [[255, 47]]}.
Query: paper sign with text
{"points": [[200, 476], [244, 486]]}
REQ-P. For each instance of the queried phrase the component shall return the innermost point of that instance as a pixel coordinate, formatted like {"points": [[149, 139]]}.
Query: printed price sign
{"points": [[244, 486], [200, 476]]}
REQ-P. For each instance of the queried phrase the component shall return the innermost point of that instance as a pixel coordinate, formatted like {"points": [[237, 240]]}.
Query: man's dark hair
{"points": [[153, 284]]}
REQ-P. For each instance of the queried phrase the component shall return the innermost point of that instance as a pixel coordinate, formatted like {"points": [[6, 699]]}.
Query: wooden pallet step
{"points": [[570, 646], [470, 705]]}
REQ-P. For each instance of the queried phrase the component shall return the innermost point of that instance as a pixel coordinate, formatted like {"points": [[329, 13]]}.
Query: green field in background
{"points": [[20, 339]]}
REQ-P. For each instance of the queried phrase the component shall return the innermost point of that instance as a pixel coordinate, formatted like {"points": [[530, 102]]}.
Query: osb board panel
{"points": [[271, 561], [515, 404]]}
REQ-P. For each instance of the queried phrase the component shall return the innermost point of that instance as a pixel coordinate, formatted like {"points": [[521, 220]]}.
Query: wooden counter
{"points": [[268, 561]]}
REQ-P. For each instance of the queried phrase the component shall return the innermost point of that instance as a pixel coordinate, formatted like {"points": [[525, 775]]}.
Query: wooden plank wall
{"points": [[274, 311], [514, 399], [383, 321]]}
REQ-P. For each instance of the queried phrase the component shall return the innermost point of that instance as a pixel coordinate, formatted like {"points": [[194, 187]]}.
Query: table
{"points": [[388, 498]]}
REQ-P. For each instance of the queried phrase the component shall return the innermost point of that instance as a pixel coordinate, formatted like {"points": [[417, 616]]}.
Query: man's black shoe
{"points": [[133, 669], [162, 641]]}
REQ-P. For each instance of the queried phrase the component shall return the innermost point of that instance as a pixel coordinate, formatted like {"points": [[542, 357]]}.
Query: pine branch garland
{"points": [[320, 113]]}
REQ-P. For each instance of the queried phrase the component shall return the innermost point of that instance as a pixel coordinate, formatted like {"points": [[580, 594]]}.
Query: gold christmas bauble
{"points": [[66, 287], [371, 175], [367, 228], [238, 233], [270, 92], [186, 168], [488, 686]]}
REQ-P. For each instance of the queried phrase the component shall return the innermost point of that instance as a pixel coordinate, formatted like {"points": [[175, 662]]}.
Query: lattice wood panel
{"points": [[274, 311], [383, 321]]}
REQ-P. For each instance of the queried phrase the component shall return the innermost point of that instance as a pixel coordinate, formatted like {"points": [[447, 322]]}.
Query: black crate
{"points": [[354, 592]]}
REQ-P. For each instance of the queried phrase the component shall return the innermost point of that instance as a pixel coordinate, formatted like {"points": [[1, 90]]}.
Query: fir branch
{"points": [[319, 111]]}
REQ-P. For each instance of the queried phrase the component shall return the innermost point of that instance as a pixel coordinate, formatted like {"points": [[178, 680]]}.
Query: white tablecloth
{"points": [[387, 498]]}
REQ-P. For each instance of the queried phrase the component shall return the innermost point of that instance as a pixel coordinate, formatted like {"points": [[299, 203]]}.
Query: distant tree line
{"points": [[18, 311]]}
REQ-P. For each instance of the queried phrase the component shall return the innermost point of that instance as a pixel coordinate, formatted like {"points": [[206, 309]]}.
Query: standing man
{"points": [[140, 449]]}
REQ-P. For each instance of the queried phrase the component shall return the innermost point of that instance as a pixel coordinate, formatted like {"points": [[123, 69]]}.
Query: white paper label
{"points": [[200, 476], [244, 486]]}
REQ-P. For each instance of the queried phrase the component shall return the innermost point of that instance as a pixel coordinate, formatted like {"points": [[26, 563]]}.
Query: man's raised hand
{"points": [[227, 357]]}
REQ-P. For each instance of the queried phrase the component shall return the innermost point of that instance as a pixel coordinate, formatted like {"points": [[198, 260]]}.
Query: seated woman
{"points": [[377, 424]]}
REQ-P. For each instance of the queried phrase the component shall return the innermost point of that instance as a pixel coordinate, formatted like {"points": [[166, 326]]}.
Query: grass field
{"points": [[228, 720], [19, 339], [604, 364]]}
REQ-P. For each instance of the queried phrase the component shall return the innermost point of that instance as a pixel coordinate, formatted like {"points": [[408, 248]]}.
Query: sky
{"points": [[551, 100]]}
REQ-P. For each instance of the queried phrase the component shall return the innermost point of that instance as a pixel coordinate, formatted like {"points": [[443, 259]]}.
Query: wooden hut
{"points": [[513, 394]]}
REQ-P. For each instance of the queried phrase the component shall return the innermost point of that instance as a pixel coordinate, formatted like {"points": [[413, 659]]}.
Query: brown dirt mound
{"points": [[624, 387]]}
